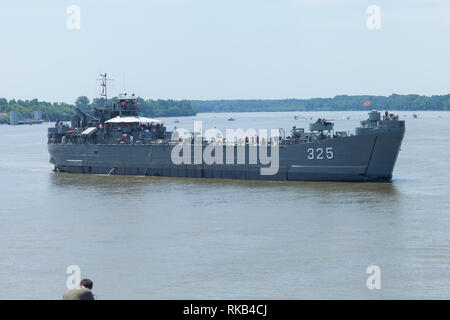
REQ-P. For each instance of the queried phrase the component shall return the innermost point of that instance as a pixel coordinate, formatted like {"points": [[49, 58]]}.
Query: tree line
{"points": [[64, 111], [177, 108], [147, 107], [338, 103]]}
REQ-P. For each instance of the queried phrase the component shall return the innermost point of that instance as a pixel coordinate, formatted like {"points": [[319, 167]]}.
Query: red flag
{"points": [[368, 103]]}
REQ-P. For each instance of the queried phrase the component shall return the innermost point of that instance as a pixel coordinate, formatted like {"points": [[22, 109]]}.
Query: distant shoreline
{"points": [[410, 102], [324, 110], [64, 111], [182, 108]]}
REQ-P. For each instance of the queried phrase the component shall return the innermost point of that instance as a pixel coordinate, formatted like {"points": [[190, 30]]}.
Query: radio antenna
{"points": [[104, 79]]}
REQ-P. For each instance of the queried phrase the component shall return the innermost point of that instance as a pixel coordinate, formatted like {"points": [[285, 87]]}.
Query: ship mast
{"points": [[104, 79]]}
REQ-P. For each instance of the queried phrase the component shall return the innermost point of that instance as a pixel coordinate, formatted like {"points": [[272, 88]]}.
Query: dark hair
{"points": [[86, 283]]}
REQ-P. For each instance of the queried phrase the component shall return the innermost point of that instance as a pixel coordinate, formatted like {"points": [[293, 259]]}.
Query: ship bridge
{"points": [[128, 105]]}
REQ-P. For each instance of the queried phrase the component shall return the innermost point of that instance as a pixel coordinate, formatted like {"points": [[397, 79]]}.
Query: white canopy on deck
{"points": [[140, 120], [88, 131]]}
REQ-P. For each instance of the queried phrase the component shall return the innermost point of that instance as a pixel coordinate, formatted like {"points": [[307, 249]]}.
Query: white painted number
{"points": [[330, 154], [318, 153]]}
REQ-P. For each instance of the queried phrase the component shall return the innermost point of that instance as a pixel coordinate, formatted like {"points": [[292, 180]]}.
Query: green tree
{"points": [[82, 103]]}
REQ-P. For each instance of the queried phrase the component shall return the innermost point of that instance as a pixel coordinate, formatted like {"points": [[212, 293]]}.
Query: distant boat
{"points": [[230, 119], [14, 118]]}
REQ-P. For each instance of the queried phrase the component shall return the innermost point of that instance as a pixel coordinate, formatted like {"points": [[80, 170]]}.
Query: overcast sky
{"points": [[224, 49]]}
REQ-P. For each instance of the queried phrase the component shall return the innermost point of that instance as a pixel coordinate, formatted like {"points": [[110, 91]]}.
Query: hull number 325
{"points": [[320, 153]]}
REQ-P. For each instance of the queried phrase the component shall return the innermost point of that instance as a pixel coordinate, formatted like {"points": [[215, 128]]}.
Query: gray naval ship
{"points": [[116, 140]]}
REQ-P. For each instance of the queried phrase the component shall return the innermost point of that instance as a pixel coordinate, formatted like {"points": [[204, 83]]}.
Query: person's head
{"points": [[86, 283]]}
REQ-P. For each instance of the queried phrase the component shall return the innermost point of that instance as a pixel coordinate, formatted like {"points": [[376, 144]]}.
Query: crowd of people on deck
{"points": [[389, 116]]}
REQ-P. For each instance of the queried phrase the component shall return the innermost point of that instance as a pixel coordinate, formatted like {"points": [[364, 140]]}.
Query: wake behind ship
{"points": [[116, 140]]}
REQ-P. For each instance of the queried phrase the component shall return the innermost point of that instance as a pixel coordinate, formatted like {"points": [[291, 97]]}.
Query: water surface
{"points": [[173, 238]]}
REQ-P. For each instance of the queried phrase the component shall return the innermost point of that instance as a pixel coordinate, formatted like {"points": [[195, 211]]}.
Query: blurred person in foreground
{"points": [[83, 292]]}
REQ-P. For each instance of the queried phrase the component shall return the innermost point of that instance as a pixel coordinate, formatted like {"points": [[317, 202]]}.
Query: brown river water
{"points": [[173, 238]]}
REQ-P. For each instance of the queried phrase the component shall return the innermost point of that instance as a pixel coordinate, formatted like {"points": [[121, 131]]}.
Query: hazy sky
{"points": [[224, 49]]}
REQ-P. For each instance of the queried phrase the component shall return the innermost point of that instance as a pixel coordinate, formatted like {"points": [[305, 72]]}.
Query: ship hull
{"points": [[365, 157]]}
